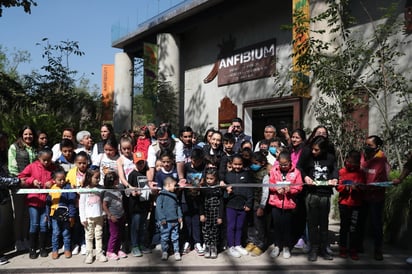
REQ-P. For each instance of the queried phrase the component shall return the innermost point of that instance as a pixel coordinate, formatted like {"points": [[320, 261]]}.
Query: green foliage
{"points": [[397, 213], [26, 4], [351, 69], [49, 101]]}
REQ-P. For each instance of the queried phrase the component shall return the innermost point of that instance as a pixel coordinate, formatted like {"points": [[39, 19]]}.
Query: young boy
{"points": [[169, 217], [228, 144], [62, 211], [139, 203], [190, 202], [66, 159], [350, 201]]}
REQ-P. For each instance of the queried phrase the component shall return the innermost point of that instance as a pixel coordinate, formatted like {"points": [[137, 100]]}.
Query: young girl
{"points": [[281, 199], [125, 163], [58, 204], [239, 201], [211, 212], [91, 216], [113, 206], [107, 161], [75, 177], [38, 175], [320, 174]]}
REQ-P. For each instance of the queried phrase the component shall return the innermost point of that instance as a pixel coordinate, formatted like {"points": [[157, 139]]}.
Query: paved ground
{"points": [[394, 262]]}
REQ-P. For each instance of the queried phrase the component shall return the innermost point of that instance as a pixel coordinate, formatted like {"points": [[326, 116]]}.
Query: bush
{"points": [[397, 213]]}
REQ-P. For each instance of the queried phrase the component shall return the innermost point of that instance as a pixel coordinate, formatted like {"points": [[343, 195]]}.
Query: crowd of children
{"points": [[186, 195]]}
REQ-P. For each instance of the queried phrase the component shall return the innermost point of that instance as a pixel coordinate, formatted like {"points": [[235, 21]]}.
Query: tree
{"points": [[26, 4], [347, 66]]}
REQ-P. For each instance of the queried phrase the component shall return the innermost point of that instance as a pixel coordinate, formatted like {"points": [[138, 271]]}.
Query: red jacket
{"points": [[347, 195], [376, 170], [284, 201], [36, 171]]}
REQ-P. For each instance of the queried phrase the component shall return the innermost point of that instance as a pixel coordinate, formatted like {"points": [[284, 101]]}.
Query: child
{"points": [[228, 144], [281, 199], [125, 163], [169, 216], [139, 204], [66, 159], [211, 212], [38, 175], [239, 201], [168, 168], [350, 201], [91, 216], [256, 237], [75, 177], [62, 211], [113, 206], [190, 202], [107, 161], [320, 174]]}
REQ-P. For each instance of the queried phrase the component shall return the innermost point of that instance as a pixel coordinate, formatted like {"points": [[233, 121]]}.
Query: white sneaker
{"points": [[409, 260], [275, 252], [186, 248], [233, 252], [199, 249], [83, 250], [75, 250], [286, 253], [164, 256], [241, 250], [177, 256]]}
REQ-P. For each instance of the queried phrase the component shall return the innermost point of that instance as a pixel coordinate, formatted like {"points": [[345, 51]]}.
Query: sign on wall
{"points": [[252, 62], [107, 92]]}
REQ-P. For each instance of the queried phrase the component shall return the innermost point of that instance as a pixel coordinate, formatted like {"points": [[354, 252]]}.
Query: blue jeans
{"points": [[38, 219], [60, 228], [169, 232], [137, 228], [235, 219]]}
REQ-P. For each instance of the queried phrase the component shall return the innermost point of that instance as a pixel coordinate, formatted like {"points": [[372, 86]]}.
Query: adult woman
{"points": [[42, 140], [376, 169], [106, 131], [297, 142], [20, 154], [215, 148], [319, 173]]}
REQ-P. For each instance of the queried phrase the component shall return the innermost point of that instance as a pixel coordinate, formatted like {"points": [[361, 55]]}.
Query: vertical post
{"points": [[123, 92]]}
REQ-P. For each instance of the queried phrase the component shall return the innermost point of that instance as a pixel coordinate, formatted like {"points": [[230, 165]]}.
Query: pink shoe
{"points": [[112, 256], [121, 254]]}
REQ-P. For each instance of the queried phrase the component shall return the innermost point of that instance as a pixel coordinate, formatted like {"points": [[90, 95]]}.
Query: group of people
{"points": [[185, 194]]}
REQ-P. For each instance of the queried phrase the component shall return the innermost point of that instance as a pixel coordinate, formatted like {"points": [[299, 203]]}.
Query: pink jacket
{"points": [[36, 171], [284, 201]]}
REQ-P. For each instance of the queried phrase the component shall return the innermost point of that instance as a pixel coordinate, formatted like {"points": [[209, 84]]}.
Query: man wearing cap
{"points": [[236, 128]]}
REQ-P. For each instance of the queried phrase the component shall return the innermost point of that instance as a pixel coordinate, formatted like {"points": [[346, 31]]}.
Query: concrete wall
{"points": [[244, 25]]}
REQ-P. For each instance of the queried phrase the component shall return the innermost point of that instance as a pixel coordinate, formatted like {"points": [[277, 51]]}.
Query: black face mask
{"points": [[370, 150]]}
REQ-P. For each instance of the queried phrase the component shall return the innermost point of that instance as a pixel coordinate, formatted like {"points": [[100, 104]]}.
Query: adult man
{"points": [[236, 128], [268, 133], [185, 135], [165, 141]]}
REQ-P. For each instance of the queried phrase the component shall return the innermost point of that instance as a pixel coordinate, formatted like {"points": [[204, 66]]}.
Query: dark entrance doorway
{"points": [[280, 117]]}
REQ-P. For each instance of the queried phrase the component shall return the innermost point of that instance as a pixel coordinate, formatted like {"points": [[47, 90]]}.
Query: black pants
{"points": [[318, 208], [349, 226], [282, 224]]}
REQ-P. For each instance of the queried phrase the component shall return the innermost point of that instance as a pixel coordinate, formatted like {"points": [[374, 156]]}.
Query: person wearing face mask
{"points": [[376, 168], [350, 200], [256, 218]]}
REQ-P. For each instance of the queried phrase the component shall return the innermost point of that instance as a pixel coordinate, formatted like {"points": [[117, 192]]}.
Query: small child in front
{"points": [[62, 210], [91, 215], [350, 202], [113, 206], [169, 216]]}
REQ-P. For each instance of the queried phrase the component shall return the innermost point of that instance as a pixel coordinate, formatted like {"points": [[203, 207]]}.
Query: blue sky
{"points": [[87, 21]]}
